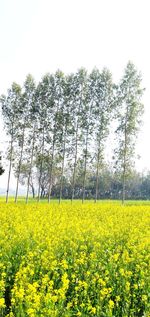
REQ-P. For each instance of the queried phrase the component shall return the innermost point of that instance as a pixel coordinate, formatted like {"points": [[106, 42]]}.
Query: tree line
{"points": [[58, 131]]}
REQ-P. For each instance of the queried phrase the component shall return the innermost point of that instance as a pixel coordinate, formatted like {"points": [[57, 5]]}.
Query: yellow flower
{"points": [[144, 298], [64, 264], [69, 305], [111, 304], [93, 310], [127, 286], [117, 298], [54, 298], [116, 256], [102, 282], [31, 312], [2, 303], [62, 260], [122, 272]]}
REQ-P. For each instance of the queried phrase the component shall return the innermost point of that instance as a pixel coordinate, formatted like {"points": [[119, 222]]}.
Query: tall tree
{"points": [[54, 106], [23, 125], [63, 126], [101, 91], [78, 95], [87, 126], [29, 94], [129, 113], [41, 97], [11, 114], [75, 96]]}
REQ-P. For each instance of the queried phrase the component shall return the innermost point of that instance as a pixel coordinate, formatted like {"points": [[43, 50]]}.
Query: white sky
{"points": [[39, 36]]}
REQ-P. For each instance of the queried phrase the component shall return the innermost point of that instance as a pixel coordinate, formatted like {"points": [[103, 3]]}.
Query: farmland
{"points": [[74, 259]]}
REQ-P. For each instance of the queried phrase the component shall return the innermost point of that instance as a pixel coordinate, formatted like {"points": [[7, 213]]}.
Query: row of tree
{"points": [[58, 129], [110, 186]]}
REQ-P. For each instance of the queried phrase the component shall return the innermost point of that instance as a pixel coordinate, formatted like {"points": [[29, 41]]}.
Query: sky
{"points": [[40, 36]]}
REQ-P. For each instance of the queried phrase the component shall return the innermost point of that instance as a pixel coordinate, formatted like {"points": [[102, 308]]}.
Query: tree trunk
{"points": [[76, 155], [52, 157], [42, 192], [97, 174], [41, 166], [124, 168], [123, 187], [75, 165], [10, 164], [85, 166], [86, 152], [51, 171], [33, 190], [19, 167], [31, 163], [62, 170]]}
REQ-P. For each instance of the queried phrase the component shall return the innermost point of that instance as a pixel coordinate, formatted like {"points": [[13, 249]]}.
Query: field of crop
{"points": [[74, 260]]}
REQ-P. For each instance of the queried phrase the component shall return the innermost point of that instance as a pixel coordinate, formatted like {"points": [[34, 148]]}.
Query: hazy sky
{"points": [[39, 36]]}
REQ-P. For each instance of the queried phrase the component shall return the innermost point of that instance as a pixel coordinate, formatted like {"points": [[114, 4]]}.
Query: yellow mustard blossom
{"points": [[74, 259], [2, 303]]}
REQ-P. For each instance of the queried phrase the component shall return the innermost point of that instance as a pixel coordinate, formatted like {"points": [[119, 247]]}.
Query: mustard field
{"points": [[74, 260]]}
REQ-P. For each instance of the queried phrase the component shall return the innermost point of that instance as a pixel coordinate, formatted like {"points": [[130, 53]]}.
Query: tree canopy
{"points": [[59, 127]]}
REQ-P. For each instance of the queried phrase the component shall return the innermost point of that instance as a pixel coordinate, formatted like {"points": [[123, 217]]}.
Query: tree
{"points": [[22, 127], [101, 91], [58, 133], [54, 105], [29, 95], [86, 125], [75, 96], [11, 114], [41, 99], [79, 111], [129, 111], [64, 127]]}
